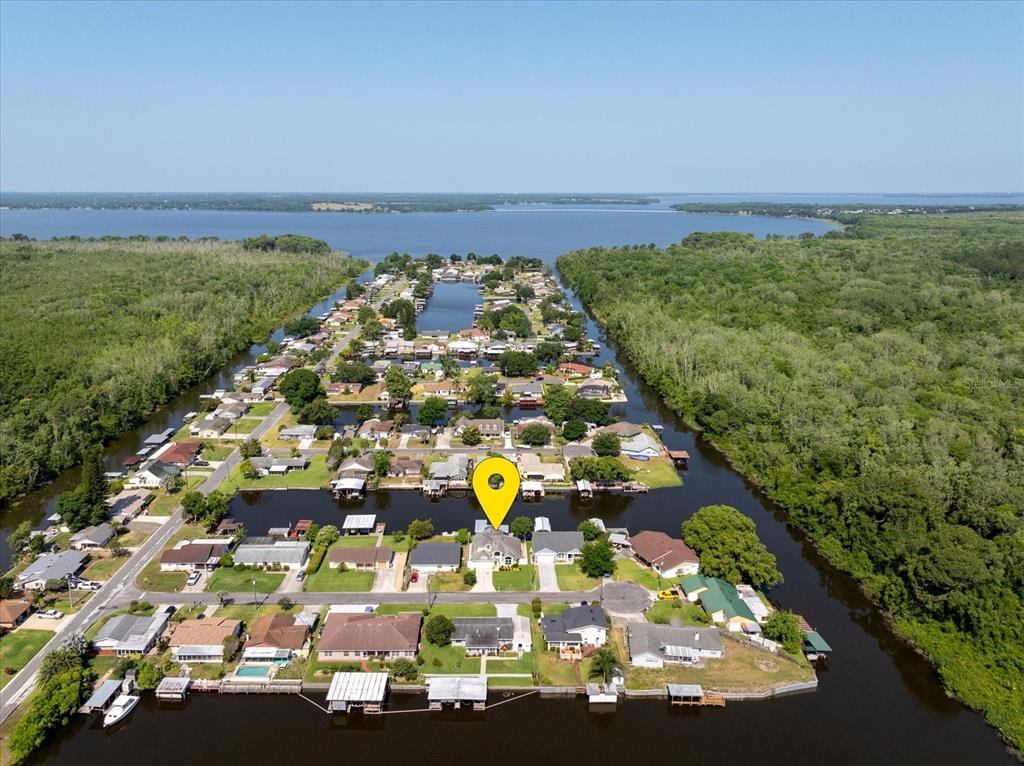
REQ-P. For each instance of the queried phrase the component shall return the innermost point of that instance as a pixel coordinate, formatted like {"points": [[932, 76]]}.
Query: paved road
{"points": [[408, 597]]}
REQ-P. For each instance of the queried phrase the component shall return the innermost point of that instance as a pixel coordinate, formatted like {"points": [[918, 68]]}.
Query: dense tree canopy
{"points": [[729, 547], [869, 381]]}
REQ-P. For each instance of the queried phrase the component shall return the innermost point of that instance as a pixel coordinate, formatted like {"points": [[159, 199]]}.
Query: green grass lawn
{"points": [[316, 476], [450, 610], [663, 612], [18, 647], [216, 452], [526, 664], [657, 473], [497, 681], [261, 409], [235, 581], [571, 578], [134, 538], [629, 570], [355, 541], [102, 569], [244, 425], [524, 579], [101, 663], [328, 580], [248, 613], [151, 578], [448, 582], [447, 659]]}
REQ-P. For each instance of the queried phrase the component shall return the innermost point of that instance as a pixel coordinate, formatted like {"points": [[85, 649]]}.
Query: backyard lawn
{"points": [[355, 541], [524, 579], [572, 579], [102, 569], [657, 473], [327, 580], [240, 581], [447, 659], [20, 646], [316, 476], [663, 612], [629, 570]]}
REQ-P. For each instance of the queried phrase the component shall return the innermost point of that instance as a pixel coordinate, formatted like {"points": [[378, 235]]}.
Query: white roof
{"points": [[599, 523], [542, 524], [685, 690], [173, 684], [463, 688], [357, 687], [359, 521], [348, 483], [532, 486]]}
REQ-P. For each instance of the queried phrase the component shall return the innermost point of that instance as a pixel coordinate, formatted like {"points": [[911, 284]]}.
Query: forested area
{"points": [[872, 382], [93, 335]]}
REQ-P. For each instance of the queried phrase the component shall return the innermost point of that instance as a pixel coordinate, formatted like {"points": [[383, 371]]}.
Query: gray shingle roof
{"points": [[646, 638], [436, 554], [53, 566], [559, 542]]}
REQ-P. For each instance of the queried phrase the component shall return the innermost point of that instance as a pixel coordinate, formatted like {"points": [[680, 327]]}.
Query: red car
{"points": [[414, 576]]}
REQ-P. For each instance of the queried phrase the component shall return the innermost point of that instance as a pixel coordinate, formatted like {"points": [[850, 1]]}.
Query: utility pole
{"points": [[254, 590]]}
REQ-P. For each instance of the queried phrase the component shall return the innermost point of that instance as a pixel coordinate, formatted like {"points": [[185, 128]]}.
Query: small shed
{"points": [[358, 524], [459, 691], [173, 688], [102, 698], [357, 690]]}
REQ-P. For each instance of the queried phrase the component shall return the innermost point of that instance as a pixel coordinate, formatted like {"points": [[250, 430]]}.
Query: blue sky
{"points": [[521, 97]]}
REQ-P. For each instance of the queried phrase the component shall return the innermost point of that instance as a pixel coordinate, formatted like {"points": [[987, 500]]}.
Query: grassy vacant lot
{"points": [[151, 578], [450, 610], [630, 571], [663, 612], [248, 613], [524, 579], [261, 409], [316, 476], [448, 582], [328, 580], [18, 647], [657, 473], [216, 452], [571, 578], [136, 536], [235, 581], [102, 569], [742, 668]]}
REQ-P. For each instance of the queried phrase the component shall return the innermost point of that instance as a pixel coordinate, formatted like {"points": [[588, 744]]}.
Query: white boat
{"points": [[123, 705]]}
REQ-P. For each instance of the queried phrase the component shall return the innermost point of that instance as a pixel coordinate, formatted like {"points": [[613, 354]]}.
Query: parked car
{"points": [[89, 585], [301, 575], [193, 578], [668, 595], [414, 576], [201, 463], [51, 614]]}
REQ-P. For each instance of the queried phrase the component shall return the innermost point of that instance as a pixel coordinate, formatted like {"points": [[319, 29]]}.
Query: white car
{"points": [[51, 614], [90, 585], [193, 578]]}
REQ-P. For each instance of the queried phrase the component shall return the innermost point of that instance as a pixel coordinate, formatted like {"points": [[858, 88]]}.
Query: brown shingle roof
{"points": [[12, 610], [277, 630], [192, 553], [660, 549], [361, 555], [207, 632], [368, 632]]}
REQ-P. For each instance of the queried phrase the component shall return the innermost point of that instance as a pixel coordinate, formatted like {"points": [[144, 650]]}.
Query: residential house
{"points": [[573, 369], [362, 559], [209, 427], [353, 637], [415, 431], [92, 538], [575, 628], [572, 451], [202, 640], [266, 552], [127, 504], [622, 430], [279, 466], [757, 607], [654, 646], [405, 466], [126, 634], [262, 386], [492, 635], [489, 428], [532, 468], [230, 410], [356, 468], [181, 454], [491, 548], [641, 447], [453, 470], [719, 599], [298, 433], [530, 392], [375, 428], [444, 388], [541, 420], [666, 555], [154, 475], [13, 612], [428, 558], [192, 556], [275, 637], [557, 547], [50, 567], [595, 388]]}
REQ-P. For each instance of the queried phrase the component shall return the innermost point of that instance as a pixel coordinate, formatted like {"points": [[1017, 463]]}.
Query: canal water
{"points": [[877, 701]]}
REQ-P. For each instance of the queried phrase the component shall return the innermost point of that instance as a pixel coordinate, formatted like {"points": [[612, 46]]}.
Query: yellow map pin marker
{"points": [[496, 501]]}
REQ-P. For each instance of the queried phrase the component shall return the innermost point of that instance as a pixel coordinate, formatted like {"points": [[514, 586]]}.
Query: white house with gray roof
{"points": [[654, 646], [576, 627], [92, 537], [428, 558], [127, 634], [557, 547], [492, 635], [50, 567], [290, 553], [492, 548]]}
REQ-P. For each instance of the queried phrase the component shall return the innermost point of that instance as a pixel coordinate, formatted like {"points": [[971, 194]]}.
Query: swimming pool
{"points": [[250, 671]]}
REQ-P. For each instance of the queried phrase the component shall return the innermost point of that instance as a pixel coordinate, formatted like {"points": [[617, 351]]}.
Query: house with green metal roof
{"points": [[720, 600]]}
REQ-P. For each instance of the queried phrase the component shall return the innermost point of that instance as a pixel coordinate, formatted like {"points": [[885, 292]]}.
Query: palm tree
{"points": [[604, 664], [222, 596]]}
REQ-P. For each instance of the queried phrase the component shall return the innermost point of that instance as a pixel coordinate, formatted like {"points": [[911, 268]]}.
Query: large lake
{"points": [[877, 701]]}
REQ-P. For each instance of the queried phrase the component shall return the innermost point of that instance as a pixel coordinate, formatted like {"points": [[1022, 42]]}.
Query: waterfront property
{"points": [[654, 646], [492, 548], [265, 551], [557, 547], [92, 538], [350, 637], [127, 634], [361, 559], [430, 558], [666, 555], [575, 628], [492, 635], [50, 568], [276, 636], [458, 691], [720, 600], [202, 640]]}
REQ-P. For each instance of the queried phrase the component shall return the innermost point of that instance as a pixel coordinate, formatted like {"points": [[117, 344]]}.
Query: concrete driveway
{"points": [[548, 580], [384, 581], [484, 580]]}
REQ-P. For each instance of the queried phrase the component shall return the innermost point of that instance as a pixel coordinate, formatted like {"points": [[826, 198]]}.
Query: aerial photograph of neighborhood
{"points": [[705, 477]]}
